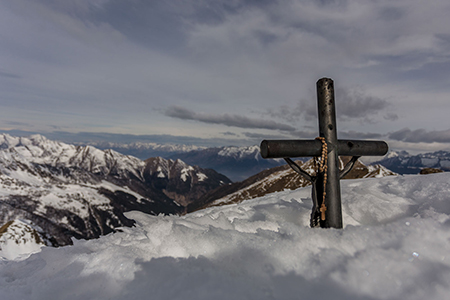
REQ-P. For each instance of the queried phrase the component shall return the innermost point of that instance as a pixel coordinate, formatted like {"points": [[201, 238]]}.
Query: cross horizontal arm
{"points": [[309, 148]]}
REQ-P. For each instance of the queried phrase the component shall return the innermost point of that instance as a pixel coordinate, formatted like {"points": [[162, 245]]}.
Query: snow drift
{"points": [[395, 245]]}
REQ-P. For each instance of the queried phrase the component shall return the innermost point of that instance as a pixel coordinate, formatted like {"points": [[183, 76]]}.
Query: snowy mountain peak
{"points": [[168, 169], [37, 149], [180, 163], [378, 171], [392, 154]]}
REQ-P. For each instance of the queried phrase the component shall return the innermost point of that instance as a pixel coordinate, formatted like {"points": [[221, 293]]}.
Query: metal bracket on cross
{"points": [[326, 194]]}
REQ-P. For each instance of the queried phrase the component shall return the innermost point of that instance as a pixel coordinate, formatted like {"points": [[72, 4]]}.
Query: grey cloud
{"points": [[265, 38], [311, 134], [359, 135], [162, 25], [303, 110], [350, 105], [443, 40], [80, 7], [225, 119], [9, 75], [262, 136], [17, 123], [391, 13], [217, 11], [156, 24], [421, 136], [353, 104], [391, 116], [229, 133], [57, 127], [303, 134]]}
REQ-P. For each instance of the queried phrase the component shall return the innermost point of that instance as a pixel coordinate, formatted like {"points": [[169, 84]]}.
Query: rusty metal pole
{"points": [[328, 130]]}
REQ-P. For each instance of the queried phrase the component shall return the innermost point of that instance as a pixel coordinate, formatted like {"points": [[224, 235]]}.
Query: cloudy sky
{"points": [[227, 70]]}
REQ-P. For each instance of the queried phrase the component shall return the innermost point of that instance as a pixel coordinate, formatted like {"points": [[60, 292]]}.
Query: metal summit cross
{"points": [[326, 191]]}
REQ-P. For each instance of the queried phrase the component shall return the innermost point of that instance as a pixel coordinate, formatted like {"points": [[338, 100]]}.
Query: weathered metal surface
{"points": [[290, 148], [328, 130], [360, 148], [310, 148]]}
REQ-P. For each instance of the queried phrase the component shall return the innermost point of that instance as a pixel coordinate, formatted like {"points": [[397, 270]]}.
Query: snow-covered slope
{"points": [[395, 245]]}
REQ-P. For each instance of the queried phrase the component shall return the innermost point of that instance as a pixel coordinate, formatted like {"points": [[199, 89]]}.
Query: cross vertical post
{"points": [[328, 130]]}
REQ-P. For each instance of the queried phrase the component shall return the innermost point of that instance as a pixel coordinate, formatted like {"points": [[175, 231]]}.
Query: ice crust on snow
{"points": [[395, 245]]}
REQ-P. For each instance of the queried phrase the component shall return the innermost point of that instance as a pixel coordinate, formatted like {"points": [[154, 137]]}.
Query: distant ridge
{"points": [[237, 163], [144, 150], [404, 163]]}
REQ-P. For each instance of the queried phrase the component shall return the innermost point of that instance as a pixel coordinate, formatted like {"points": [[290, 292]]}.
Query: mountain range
{"points": [[404, 163], [237, 163], [143, 150], [80, 191], [240, 163]]}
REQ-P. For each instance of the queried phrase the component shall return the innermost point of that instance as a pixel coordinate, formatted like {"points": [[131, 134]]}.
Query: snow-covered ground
{"points": [[395, 245]]}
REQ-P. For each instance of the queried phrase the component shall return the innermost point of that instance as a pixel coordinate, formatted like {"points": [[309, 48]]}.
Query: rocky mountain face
{"points": [[179, 181], [404, 163], [278, 179], [82, 192]]}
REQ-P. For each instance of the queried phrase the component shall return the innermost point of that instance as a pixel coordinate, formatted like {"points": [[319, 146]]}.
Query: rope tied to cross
{"points": [[323, 169]]}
